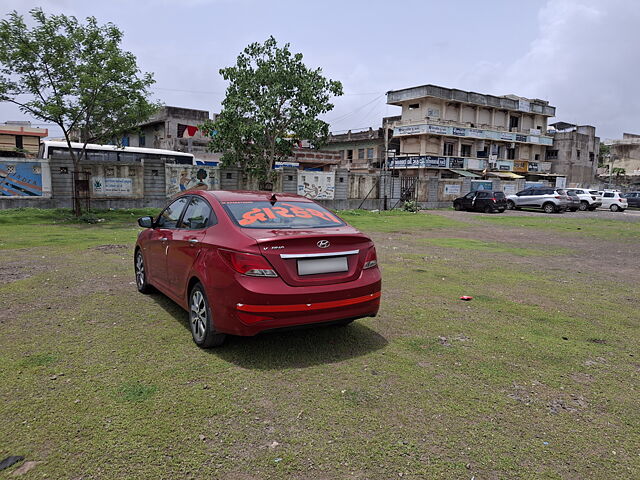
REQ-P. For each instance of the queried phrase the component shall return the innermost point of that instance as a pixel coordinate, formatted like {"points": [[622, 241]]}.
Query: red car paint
{"points": [[176, 258]]}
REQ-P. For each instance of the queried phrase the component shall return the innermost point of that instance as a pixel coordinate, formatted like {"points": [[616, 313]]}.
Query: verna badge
{"points": [[323, 243]]}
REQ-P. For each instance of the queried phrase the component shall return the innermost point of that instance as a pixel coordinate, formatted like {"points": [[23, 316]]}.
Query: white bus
{"points": [[113, 153]]}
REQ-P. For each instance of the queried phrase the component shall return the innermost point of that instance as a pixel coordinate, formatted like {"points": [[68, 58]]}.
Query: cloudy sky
{"points": [[580, 55]]}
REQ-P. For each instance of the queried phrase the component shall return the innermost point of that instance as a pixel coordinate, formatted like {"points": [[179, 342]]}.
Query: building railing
{"points": [[467, 163]]}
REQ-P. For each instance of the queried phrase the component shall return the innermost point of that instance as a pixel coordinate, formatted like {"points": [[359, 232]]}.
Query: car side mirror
{"points": [[145, 222]]}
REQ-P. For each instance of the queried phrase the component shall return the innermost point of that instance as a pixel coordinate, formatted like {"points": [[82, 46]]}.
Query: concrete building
{"points": [[361, 150], [173, 128], [625, 153], [450, 133], [20, 137], [574, 153]]}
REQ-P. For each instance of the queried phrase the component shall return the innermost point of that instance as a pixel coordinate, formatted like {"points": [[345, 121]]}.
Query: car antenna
{"points": [[273, 200]]}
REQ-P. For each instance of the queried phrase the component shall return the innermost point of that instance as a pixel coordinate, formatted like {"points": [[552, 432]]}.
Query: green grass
{"points": [[592, 227], [397, 221], [535, 378]]}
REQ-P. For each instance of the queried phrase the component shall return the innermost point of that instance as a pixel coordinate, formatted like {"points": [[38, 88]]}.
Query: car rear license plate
{"points": [[322, 265]]}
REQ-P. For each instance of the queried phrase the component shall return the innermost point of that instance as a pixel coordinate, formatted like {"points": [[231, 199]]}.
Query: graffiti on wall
{"points": [[181, 178], [320, 185], [20, 179]]}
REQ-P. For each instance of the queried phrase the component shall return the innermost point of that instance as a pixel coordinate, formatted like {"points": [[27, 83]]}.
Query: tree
{"points": [[272, 102], [74, 75]]}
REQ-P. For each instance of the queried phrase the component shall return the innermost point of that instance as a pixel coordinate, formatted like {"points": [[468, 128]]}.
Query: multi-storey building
{"points": [[574, 153], [625, 154], [362, 150], [20, 138], [446, 132]]}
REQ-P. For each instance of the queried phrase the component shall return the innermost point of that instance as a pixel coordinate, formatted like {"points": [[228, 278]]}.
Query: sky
{"points": [[580, 55]]}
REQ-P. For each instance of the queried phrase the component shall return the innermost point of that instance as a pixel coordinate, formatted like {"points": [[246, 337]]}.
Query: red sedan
{"points": [[244, 262]]}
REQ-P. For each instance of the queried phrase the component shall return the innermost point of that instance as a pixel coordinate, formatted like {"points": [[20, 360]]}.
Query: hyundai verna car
{"points": [[244, 262]]}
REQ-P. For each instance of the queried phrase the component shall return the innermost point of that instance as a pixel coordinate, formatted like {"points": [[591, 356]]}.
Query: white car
{"points": [[614, 201], [589, 199]]}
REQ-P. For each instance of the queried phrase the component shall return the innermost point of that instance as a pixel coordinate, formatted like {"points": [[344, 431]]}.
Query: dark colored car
{"points": [[573, 201], [244, 262], [633, 199], [482, 201]]}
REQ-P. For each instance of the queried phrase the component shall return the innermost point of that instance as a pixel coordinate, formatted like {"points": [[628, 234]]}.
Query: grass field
{"points": [[536, 378]]}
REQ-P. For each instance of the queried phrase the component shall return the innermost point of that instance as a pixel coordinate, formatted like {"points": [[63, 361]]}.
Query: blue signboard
{"points": [[20, 179]]}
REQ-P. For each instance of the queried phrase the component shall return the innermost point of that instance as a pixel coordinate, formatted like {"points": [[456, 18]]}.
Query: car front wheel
{"points": [[200, 320], [511, 205], [583, 206], [141, 274], [614, 208], [457, 206]]}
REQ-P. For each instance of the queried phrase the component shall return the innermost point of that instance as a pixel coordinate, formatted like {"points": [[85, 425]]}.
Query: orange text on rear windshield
{"points": [[285, 210]]}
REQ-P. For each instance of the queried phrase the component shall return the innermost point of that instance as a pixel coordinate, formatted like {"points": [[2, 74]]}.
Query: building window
{"points": [[465, 150], [361, 154], [290, 178], [64, 170], [511, 153], [132, 172], [154, 173], [349, 155], [229, 176], [19, 142], [141, 141], [448, 149], [513, 122], [578, 153], [414, 106], [552, 154], [591, 156], [125, 141], [370, 153], [537, 157]]}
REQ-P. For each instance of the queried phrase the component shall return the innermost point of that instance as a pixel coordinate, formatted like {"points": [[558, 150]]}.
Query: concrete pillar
{"points": [[493, 118], [477, 116], [423, 144]]}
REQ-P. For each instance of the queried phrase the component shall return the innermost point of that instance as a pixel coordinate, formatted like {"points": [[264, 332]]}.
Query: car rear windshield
{"points": [[498, 195], [281, 215]]}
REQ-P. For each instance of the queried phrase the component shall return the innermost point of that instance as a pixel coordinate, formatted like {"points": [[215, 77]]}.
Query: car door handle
{"points": [[164, 239], [193, 240]]}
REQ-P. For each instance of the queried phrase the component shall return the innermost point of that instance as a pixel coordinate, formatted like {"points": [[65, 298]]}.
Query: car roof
{"points": [[247, 195]]}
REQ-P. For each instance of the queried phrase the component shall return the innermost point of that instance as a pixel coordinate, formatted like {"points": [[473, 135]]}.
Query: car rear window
{"points": [[499, 195], [281, 215]]}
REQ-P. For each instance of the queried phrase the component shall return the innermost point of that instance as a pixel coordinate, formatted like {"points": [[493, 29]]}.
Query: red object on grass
{"points": [[466, 298]]}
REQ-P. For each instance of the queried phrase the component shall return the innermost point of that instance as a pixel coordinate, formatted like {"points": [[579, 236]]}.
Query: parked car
{"points": [[550, 200], [574, 201], [614, 201], [482, 201], [633, 199], [589, 199], [245, 262]]}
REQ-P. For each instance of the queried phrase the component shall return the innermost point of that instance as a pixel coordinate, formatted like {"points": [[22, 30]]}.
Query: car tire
{"points": [[500, 210], [142, 281], [593, 209], [549, 207], [583, 206], [510, 204], [457, 207], [200, 320], [614, 208], [488, 209]]}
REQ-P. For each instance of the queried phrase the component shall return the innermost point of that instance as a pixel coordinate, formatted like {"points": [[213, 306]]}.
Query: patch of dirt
{"points": [[111, 248], [11, 273], [583, 378]]}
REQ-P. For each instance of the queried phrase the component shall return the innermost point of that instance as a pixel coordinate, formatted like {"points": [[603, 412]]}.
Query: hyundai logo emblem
{"points": [[323, 243]]}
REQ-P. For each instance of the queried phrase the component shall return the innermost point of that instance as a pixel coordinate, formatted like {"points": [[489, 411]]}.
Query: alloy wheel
{"points": [[198, 315], [140, 270]]}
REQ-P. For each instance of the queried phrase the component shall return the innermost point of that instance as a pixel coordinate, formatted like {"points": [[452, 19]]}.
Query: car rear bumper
{"points": [[258, 304]]}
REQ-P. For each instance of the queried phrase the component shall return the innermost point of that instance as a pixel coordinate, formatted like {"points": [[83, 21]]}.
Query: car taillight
{"points": [[248, 264], [559, 197], [493, 200], [371, 260]]}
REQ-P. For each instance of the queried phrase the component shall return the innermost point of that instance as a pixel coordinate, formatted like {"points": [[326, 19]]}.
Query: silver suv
{"points": [[589, 199], [550, 200]]}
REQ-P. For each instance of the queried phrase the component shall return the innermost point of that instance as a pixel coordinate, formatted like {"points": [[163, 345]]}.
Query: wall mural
{"points": [[181, 178], [320, 185], [20, 179]]}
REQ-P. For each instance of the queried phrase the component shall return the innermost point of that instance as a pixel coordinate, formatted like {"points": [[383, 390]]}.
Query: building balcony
{"points": [[456, 129], [467, 163]]}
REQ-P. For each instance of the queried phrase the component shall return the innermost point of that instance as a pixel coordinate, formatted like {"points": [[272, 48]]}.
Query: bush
{"points": [[88, 218], [410, 206]]}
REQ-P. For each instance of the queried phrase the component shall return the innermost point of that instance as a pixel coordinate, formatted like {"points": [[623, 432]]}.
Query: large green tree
{"points": [[273, 101], [74, 75]]}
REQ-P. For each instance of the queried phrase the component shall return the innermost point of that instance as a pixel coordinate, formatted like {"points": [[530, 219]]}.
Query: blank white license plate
{"points": [[322, 265]]}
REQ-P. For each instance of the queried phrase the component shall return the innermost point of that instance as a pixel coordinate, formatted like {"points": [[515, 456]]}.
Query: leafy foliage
{"points": [[72, 74], [273, 101]]}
